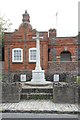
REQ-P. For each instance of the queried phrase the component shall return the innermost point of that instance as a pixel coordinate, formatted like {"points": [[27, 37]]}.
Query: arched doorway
{"points": [[65, 56], [49, 54]]}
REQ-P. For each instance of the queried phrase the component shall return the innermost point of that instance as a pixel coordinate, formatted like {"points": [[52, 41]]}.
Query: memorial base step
{"points": [[36, 92]]}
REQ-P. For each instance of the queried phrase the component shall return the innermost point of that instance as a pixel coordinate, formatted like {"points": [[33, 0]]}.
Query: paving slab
{"points": [[38, 106]]}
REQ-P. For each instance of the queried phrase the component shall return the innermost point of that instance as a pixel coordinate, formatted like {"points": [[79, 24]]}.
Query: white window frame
{"points": [[13, 60], [30, 60]]}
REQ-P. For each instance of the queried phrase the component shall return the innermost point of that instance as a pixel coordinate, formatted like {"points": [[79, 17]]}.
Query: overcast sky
{"points": [[43, 14]]}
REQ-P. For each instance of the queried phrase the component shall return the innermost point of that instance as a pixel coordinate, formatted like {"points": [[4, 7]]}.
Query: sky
{"points": [[43, 14]]}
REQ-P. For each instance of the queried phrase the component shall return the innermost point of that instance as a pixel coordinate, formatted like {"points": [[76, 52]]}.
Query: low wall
{"points": [[15, 76], [11, 92], [67, 71], [63, 67], [65, 93], [62, 93]]}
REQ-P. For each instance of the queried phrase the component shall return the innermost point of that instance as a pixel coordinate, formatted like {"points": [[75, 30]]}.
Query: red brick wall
{"points": [[22, 38], [61, 44], [15, 43]]}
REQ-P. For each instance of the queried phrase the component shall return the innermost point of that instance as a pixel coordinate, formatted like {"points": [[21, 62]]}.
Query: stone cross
{"points": [[38, 66], [38, 75]]}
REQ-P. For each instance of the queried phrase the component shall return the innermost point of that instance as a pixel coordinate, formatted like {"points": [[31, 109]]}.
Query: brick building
{"points": [[20, 49]]}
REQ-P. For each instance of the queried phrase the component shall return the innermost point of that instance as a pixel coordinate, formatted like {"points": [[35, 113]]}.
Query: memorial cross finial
{"points": [[37, 34]]}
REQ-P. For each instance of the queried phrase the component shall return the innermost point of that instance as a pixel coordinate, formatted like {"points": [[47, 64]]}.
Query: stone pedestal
{"points": [[38, 77]]}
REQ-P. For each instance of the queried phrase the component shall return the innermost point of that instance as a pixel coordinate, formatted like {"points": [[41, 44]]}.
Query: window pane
{"points": [[32, 55]]}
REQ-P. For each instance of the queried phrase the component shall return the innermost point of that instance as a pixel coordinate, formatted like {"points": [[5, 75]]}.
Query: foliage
{"points": [[4, 26]]}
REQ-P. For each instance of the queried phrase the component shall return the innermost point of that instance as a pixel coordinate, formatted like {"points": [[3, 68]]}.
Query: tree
{"points": [[4, 26]]}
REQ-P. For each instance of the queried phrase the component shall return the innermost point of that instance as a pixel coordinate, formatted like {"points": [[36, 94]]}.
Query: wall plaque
{"points": [[23, 78], [56, 77]]}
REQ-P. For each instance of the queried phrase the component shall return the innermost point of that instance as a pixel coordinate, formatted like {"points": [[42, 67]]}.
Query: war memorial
{"points": [[39, 65]]}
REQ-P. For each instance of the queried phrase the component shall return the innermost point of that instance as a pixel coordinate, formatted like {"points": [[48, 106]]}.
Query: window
{"points": [[32, 55], [17, 55]]}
